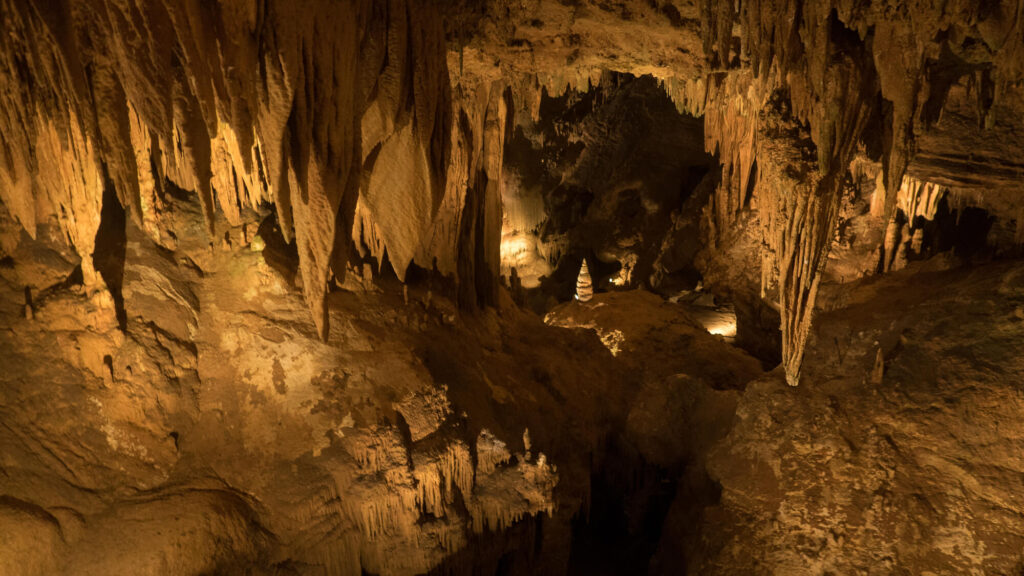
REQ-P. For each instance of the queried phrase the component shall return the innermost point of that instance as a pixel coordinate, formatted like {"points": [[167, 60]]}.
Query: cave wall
{"points": [[244, 105], [828, 70], [343, 119], [346, 120]]}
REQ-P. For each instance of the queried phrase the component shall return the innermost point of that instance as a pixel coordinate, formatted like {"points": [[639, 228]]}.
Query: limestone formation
{"points": [[139, 92], [832, 73], [584, 285], [252, 317]]}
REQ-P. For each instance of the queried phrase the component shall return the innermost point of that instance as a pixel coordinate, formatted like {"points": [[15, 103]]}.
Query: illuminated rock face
{"points": [[252, 321], [826, 75], [241, 105], [887, 474], [584, 284], [218, 433]]}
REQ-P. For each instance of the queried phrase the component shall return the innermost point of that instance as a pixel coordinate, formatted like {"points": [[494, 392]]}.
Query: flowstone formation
{"points": [[829, 67], [286, 104], [216, 433]]}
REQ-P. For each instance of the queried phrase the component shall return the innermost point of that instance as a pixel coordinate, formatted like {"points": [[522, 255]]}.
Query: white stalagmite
{"points": [[584, 285]]}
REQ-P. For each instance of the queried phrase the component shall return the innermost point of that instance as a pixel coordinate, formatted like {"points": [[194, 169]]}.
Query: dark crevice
{"points": [[621, 529], [963, 230], [281, 256], [614, 168], [109, 254], [941, 74]]}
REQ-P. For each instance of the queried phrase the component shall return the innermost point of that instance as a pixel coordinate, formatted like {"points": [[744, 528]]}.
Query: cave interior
{"points": [[511, 287]]}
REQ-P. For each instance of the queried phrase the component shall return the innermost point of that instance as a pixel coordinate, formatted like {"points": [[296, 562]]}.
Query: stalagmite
{"points": [[892, 240], [878, 371], [584, 285]]}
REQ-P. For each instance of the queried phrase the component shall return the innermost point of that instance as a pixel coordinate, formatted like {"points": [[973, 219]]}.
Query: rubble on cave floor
{"points": [[651, 333], [916, 471], [369, 446]]}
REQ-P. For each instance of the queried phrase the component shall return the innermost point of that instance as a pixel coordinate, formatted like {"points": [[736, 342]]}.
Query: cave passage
{"points": [[603, 175]]}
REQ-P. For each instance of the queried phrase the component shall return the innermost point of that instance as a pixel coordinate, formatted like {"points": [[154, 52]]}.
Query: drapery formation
{"points": [[316, 107], [837, 68], [343, 115]]}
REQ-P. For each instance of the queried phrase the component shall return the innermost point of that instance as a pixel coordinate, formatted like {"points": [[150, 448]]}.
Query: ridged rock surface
{"points": [[218, 433], [242, 104], [253, 321]]}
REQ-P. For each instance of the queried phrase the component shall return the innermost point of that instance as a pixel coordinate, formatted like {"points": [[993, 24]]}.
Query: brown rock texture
{"points": [[286, 286], [286, 103], [834, 64], [217, 433], [913, 474]]}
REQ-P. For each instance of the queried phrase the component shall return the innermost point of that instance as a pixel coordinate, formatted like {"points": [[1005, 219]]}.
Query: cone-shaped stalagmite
{"points": [[584, 287]]}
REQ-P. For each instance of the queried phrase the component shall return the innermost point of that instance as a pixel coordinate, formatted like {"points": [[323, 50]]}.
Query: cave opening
{"points": [[630, 499], [963, 230], [604, 175], [617, 176]]}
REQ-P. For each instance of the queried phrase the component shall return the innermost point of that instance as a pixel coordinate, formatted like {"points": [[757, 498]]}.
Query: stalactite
{"points": [[919, 198], [406, 506], [438, 473], [730, 127], [507, 494], [240, 106], [798, 212], [50, 160], [789, 44], [688, 94], [916, 200], [478, 247], [833, 63], [799, 209]]}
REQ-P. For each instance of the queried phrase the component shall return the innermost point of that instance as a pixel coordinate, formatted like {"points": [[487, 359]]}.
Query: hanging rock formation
{"points": [[314, 107], [832, 64]]}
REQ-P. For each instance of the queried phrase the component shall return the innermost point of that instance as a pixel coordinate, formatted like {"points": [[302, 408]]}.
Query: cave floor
{"points": [[216, 432]]}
